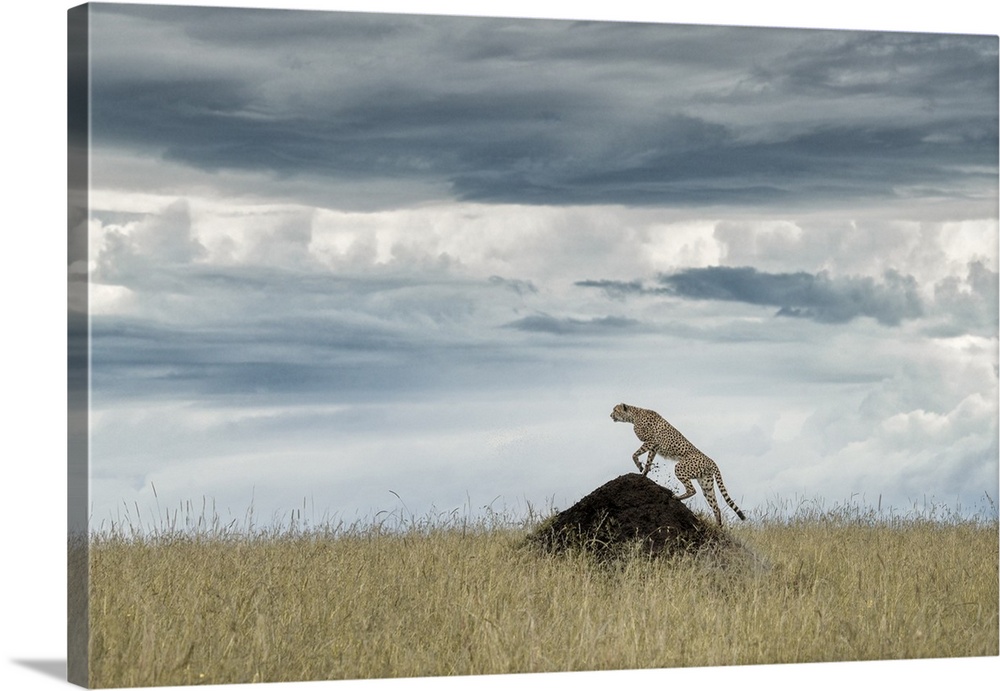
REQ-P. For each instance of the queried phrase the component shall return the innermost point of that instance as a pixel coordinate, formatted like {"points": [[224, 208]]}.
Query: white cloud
{"points": [[305, 284], [110, 299], [927, 428], [552, 246], [858, 245], [154, 244]]}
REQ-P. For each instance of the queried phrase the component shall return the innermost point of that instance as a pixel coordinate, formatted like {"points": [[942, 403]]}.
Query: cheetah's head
{"points": [[622, 413]]}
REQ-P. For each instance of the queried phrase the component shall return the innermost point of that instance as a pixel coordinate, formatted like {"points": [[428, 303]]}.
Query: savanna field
{"points": [[451, 595]]}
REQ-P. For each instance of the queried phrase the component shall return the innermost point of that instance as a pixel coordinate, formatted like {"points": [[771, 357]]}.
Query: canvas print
{"points": [[405, 345]]}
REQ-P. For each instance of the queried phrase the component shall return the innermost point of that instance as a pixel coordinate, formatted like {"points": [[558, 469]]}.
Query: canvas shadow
{"points": [[51, 667]]}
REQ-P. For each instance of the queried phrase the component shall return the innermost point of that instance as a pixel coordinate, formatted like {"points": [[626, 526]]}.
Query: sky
{"points": [[354, 263]]}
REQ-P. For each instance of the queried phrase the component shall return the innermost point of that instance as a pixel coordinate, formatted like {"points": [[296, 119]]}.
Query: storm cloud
{"points": [[814, 296], [957, 304], [574, 112]]}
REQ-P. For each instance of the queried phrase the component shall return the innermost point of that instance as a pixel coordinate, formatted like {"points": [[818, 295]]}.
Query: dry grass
{"points": [[217, 606]]}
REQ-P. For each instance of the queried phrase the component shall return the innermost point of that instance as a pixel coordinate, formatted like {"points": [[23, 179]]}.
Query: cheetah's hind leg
{"points": [[708, 489], [688, 488]]}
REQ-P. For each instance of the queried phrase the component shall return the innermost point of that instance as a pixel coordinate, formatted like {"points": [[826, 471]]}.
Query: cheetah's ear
{"points": [[624, 407]]}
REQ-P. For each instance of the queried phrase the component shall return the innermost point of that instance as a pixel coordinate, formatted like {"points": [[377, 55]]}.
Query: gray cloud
{"points": [[545, 323], [617, 290], [801, 294], [518, 286], [814, 296], [956, 305], [292, 328], [551, 112]]}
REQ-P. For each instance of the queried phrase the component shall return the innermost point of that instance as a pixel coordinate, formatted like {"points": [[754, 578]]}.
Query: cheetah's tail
{"points": [[725, 495]]}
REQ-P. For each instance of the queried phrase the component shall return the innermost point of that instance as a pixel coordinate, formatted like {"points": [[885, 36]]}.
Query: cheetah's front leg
{"points": [[649, 462], [647, 447]]}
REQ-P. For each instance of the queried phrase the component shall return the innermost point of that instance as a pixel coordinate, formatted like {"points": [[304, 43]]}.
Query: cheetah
{"points": [[660, 437]]}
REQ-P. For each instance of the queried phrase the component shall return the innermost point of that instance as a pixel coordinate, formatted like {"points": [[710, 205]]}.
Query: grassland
{"points": [[456, 597]]}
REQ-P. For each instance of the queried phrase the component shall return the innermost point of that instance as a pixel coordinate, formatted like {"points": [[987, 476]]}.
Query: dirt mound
{"points": [[628, 510]]}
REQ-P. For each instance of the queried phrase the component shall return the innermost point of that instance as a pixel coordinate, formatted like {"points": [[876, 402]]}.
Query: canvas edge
{"points": [[78, 343]]}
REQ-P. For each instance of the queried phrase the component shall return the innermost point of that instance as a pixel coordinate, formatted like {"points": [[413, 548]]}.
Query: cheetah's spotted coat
{"points": [[660, 437]]}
